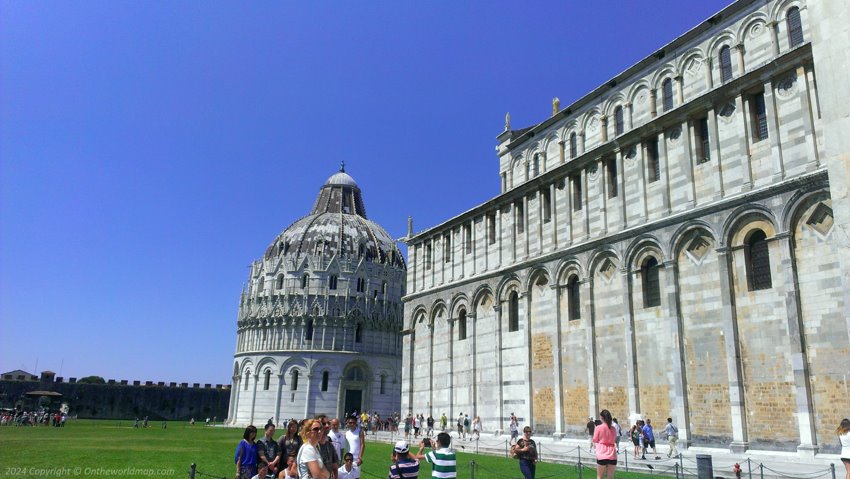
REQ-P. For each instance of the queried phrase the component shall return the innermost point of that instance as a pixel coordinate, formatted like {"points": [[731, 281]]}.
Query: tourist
{"points": [[649, 439], [443, 461], [336, 436], [310, 464], [262, 471], [476, 428], [246, 454], [290, 471], [268, 451], [635, 434], [672, 433], [514, 428], [604, 438], [348, 470], [403, 466], [408, 425], [460, 425], [619, 433], [355, 440], [430, 423], [290, 442], [843, 432], [466, 427], [444, 422], [326, 448], [526, 451], [588, 429]]}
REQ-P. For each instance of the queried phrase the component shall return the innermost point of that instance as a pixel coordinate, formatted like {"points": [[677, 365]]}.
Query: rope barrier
{"points": [[793, 476]]}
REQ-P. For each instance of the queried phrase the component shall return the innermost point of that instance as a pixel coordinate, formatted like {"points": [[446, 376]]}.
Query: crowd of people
{"points": [[317, 448], [33, 418]]}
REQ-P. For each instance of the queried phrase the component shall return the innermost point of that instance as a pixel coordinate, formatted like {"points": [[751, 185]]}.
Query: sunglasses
{"points": [[316, 429]]}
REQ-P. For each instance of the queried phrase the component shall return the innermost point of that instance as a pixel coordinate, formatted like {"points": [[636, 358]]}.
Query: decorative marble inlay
{"points": [[786, 86], [694, 66]]}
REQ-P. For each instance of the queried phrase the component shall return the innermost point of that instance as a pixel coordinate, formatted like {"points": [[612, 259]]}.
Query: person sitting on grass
{"points": [[262, 471]]}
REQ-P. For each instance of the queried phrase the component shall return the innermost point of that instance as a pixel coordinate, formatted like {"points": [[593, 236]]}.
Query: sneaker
{"points": [[657, 457]]}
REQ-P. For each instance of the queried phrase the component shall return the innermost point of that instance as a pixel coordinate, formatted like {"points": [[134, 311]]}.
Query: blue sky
{"points": [[150, 151]]}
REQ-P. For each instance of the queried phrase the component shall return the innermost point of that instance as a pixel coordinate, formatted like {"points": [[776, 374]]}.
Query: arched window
{"points": [[325, 378], [573, 298], [650, 283], [294, 383], [619, 122], [795, 27], [332, 281], [725, 64], [573, 145], [358, 333], [279, 281], [757, 257], [354, 374], [535, 165], [261, 283], [513, 312], [383, 382], [461, 325], [308, 332], [305, 281], [267, 380], [247, 379], [667, 94]]}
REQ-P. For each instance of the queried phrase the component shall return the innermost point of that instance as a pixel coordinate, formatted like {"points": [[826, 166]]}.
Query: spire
{"points": [[342, 166]]}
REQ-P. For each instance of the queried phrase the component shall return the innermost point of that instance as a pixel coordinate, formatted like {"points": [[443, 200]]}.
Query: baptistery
{"points": [[319, 318]]}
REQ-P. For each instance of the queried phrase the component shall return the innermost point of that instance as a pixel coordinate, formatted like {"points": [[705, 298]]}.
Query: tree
{"points": [[92, 380]]}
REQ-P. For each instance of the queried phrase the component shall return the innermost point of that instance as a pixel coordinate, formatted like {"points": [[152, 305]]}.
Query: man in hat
{"points": [[403, 466]]}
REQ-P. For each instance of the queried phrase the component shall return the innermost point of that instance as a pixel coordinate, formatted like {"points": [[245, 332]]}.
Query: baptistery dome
{"points": [[319, 320]]}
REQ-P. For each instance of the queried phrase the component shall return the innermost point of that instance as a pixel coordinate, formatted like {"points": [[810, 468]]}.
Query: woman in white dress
{"points": [[843, 432]]}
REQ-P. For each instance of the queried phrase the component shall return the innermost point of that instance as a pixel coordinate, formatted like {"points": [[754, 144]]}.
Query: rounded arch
{"points": [[267, 363], [418, 311], [588, 116], [246, 366], [779, 9], [746, 214], [534, 276], [567, 267], [348, 372], [684, 233], [236, 368], [568, 128], [612, 102], [642, 248], [438, 310], [481, 293], [726, 37], [666, 71], [683, 61], [636, 88], [797, 205], [757, 17], [291, 364], [459, 300], [509, 283]]}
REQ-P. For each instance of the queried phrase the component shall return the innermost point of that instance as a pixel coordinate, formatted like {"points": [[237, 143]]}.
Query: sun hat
{"points": [[401, 447]]}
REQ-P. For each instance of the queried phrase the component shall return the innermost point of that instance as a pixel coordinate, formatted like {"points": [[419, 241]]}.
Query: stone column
{"points": [[254, 396], [653, 102], [773, 126], [497, 308], [716, 160], [553, 209], [234, 399], [808, 99], [470, 318], [604, 127], [279, 396], [743, 106], [309, 377], [629, 108], [733, 352], [621, 170], [679, 391], [680, 90], [799, 360], [773, 28], [739, 55], [592, 379], [629, 339], [559, 379]]}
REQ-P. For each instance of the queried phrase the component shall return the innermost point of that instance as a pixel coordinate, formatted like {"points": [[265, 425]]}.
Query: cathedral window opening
{"points": [[546, 200], [653, 164], [294, 385], [267, 380], [447, 248], [332, 281], [619, 121], [491, 228], [795, 27], [308, 332], [279, 284], [520, 217], [346, 203], [355, 374], [383, 383], [428, 256], [667, 94], [247, 379], [573, 298], [611, 170], [650, 282], [361, 285], [375, 295], [758, 114], [573, 145], [461, 325], [467, 238], [757, 257], [325, 380], [702, 140], [575, 180], [260, 284], [513, 312], [305, 281], [358, 333], [725, 64], [535, 165]]}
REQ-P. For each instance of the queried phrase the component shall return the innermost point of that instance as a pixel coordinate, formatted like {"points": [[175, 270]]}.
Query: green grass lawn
{"points": [[114, 449]]}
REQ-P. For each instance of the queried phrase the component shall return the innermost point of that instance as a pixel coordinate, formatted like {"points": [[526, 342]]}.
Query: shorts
{"points": [[606, 462], [652, 444], [636, 442], [514, 434]]}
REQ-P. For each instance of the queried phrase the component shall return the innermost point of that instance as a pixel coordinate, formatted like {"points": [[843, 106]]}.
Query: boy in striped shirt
{"points": [[404, 466], [442, 460]]}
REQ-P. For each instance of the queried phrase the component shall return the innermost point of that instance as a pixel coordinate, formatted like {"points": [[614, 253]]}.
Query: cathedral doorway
{"points": [[353, 401]]}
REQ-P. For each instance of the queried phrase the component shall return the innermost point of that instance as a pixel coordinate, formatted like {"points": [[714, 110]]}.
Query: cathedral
{"points": [[675, 243], [317, 328]]}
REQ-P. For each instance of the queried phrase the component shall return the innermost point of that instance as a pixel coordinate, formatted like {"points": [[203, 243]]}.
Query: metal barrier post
{"points": [[832, 470], [579, 469], [750, 468], [761, 470], [579, 460], [472, 469], [506, 448], [626, 454], [192, 471], [677, 470]]}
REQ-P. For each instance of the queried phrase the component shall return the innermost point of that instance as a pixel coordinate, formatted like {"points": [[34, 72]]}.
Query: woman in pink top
{"points": [[605, 438]]}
